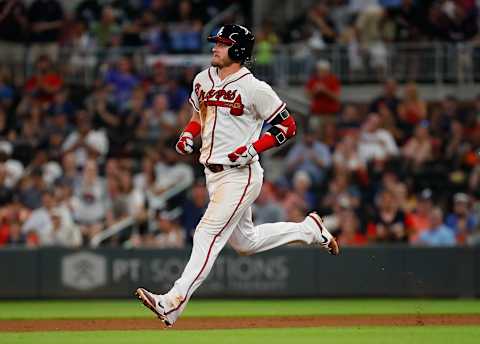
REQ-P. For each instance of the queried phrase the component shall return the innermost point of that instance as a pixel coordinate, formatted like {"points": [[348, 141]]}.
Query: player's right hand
{"points": [[184, 145]]}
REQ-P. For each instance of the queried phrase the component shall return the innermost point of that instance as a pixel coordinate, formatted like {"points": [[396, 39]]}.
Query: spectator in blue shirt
{"points": [[462, 220], [438, 234], [122, 81]]}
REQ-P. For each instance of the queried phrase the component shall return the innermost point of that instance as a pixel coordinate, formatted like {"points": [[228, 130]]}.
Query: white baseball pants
{"points": [[228, 218]]}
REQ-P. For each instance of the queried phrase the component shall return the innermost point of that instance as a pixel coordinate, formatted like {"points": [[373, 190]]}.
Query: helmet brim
{"points": [[220, 39]]}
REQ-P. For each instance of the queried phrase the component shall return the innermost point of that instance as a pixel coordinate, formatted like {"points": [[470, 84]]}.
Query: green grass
{"points": [[362, 335], [199, 308]]}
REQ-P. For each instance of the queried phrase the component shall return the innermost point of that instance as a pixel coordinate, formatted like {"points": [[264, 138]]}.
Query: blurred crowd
{"points": [[370, 22], [363, 31], [398, 169], [76, 163], [89, 31]]}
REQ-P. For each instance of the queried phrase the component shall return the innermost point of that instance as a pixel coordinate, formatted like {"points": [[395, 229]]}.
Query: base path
{"points": [[237, 323]]}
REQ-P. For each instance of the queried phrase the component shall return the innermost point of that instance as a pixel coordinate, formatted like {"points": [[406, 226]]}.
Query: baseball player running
{"points": [[229, 108]]}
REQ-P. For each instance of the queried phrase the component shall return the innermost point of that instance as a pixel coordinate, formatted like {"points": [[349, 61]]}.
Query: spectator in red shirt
{"points": [[45, 82], [323, 89]]}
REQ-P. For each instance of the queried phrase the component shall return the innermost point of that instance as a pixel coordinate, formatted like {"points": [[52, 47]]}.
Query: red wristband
{"points": [[193, 128], [265, 142]]}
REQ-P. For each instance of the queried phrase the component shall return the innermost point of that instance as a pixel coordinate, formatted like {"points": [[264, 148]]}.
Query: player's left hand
{"points": [[243, 155]]}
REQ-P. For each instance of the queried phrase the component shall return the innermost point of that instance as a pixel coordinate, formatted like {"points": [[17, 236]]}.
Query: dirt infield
{"points": [[237, 323]]}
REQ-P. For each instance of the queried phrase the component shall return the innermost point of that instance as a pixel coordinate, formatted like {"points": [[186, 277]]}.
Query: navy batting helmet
{"points": [[240, 40]]}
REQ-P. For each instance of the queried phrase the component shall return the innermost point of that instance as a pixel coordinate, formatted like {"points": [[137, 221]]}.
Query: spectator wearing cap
{"points": [[323, 90], [438, 234], [462, 219]]}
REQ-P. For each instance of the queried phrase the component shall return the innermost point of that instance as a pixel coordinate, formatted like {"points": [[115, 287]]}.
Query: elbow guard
{"points": [[283, 127]]}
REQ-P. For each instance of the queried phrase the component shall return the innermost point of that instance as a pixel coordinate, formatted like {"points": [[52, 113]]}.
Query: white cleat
{"points": [[155, 303], [327, 240]]}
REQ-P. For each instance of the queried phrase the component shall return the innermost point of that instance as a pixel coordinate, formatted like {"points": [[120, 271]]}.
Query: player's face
{"points": [[220, 57]]}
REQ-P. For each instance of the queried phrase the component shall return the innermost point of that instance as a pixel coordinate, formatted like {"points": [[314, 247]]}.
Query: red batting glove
{"points": [[243, 155], [185, 142], [184, 145]]}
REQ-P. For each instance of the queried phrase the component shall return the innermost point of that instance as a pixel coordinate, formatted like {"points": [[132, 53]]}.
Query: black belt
{"points": [[215, 168]]}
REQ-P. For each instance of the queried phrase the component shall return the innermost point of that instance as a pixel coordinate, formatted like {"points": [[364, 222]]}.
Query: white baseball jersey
{"points": [[235, 109]]}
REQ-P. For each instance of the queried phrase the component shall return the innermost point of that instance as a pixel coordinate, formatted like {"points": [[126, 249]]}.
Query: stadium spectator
{"points": [[6, 192], [172, 175], [419, 148], [40, 220], [165, 232], [347, 157], [157, 122], [418, 220], [349, 120], [13, 168], [45, 19], [45, 81], [323, 28], [86, 142], [461, 220], [186, 29], [375, 143], [340, 187], [266, 208], [437, 234], [388, 224], [122, 81], [144, 180], [349, 230], [411, 110], [90, 201], [323, 90], [310, 156], [104, 30], [388, 98], [370, 36], [13, 32], [194, 207]]}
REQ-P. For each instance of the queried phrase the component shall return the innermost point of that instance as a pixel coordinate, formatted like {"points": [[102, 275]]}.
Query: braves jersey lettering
{"points": [[234, 110]]}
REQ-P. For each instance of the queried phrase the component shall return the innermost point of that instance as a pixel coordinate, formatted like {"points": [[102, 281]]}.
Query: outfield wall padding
{"points": [[296, 272]]}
